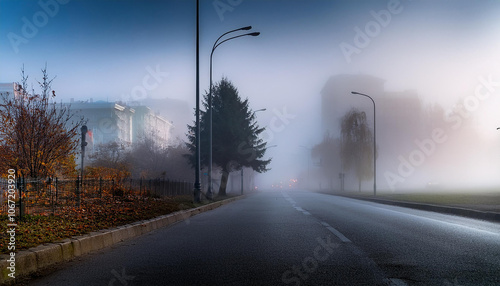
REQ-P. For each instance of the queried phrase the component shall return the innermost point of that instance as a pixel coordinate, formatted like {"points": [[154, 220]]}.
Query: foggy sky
{"points": [[104, 49]]}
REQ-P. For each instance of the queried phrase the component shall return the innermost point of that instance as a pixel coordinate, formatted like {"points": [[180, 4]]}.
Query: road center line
{"points": [[355, 250], [336, 232]]}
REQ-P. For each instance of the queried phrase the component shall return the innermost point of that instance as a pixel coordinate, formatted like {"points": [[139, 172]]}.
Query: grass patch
{"points": [[447, 199]]}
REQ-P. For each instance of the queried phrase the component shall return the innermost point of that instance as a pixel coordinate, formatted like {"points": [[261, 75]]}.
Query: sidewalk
{"points": [[30, 261], [478, 206]]}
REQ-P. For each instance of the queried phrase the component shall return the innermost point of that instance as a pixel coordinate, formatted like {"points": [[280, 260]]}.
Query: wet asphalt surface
{"points": [[298, 238]]}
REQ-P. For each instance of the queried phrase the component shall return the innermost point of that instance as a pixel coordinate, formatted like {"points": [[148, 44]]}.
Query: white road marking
{"points": [[336, 232], [396, 282], [329, 227], [437, 221]]}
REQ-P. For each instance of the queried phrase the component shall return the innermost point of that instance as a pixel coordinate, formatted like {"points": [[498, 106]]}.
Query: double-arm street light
{"points": [[263, 109], [216, 44], [374, 143]]}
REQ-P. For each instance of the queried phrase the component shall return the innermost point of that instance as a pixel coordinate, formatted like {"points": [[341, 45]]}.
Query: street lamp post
{"points": [[374, 143], [216, 44], [84, 130], [197, 185]]}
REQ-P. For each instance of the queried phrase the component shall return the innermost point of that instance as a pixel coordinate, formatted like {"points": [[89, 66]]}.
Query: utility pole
{"points": [[79, 189], [197, 185]]}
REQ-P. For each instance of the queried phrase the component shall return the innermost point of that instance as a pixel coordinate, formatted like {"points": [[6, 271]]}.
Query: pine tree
{"points": [[235, 134]]}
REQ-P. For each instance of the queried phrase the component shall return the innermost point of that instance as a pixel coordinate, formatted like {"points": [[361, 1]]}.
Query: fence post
{"points": [[100, 187], [150, 188], [56, 187], [78, 191], [20, 190], [52, 196], [163, 186], [140, 189]]}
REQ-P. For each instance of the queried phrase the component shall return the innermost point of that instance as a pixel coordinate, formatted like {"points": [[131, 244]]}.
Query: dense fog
{"points": [[431, 67]]}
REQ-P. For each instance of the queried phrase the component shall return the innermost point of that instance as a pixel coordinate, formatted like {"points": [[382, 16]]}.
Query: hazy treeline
{"points": [[144, 159]]}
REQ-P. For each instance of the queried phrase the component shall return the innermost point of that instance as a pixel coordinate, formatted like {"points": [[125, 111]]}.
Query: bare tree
{"points": [[37, 136], [110, 161], [328, 153], [148, 158], [357, 145]]}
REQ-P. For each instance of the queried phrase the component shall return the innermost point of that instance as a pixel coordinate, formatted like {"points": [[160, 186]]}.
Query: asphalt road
{"points": [[299, 238]]}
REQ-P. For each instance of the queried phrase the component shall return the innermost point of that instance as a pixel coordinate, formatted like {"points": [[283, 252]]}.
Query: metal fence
{"points": [[49, 195]]}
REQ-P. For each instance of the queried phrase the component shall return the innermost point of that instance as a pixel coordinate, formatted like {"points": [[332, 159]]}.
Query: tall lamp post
{"points": [[216, 44], [84, 130], [197, 185], [374, 143]]}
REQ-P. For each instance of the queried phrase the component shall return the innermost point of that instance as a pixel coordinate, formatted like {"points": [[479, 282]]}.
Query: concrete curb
{"points": [[43, 256], [489, 216]]}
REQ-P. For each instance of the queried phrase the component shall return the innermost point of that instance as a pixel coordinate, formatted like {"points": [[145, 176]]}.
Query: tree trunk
{"points": [[223, 183]]}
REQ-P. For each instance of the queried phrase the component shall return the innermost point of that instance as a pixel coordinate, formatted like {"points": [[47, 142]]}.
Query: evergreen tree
{"points": [[235, 134]]}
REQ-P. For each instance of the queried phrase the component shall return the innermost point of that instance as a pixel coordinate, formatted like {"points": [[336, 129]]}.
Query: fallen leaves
{"points": [[34, 230]]}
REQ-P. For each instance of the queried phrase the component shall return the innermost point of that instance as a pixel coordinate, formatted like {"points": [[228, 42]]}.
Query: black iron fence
{"points": [[46, 196]]}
